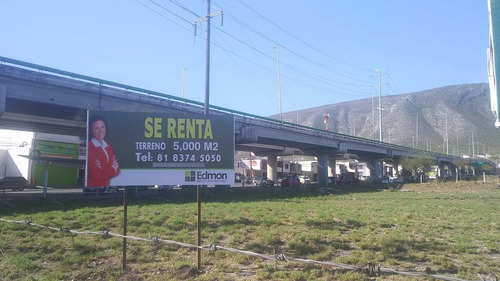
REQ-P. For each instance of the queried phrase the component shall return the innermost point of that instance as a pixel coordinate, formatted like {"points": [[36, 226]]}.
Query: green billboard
{"points": [[132, 148]]}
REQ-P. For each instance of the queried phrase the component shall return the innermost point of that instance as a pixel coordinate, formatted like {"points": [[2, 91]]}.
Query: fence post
{"points": [[124, 261]]}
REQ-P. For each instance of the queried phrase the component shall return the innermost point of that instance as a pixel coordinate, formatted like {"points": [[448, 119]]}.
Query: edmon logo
{"points": [[204, 176], [211, 176], [190, 176]]}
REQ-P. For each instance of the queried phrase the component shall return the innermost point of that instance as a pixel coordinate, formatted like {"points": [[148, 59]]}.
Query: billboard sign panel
{"points": [[132, 148]]}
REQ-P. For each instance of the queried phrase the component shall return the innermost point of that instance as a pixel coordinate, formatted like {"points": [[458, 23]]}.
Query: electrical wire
{"points": [[399, 89], [303, 42], [326, 81], [321, 65], [172, 13], [287, 76], [185, 9]]}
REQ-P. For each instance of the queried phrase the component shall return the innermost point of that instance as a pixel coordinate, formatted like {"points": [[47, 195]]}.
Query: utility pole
{"points": [[380, 102], [447, 135], [207, 64], [205, 112], [416, 133], [182, 85], [297, 114], [279, 84], [473, 151], [373, 115]]}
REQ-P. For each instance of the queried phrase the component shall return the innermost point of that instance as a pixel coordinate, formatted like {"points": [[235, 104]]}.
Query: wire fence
{"points": [[370, 268]]}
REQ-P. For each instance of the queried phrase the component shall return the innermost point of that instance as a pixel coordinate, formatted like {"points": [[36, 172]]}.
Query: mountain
{"points": [[421, 119]]}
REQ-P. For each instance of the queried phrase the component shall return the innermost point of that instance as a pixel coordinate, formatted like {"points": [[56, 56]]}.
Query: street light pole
{"points": [[297, 114], [447, 143], [380, 102], [279, 84], [182, 85], [416, 133], [473, 149]]}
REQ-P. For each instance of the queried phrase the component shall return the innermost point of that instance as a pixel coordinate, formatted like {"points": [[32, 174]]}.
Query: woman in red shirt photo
{"points": [[101, 161]]}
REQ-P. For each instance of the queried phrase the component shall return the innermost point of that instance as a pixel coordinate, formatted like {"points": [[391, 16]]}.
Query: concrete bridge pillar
{"points": [[272, 167], [376, 170], [332, 164], [395, 170], [441, 170], [323, 165]]}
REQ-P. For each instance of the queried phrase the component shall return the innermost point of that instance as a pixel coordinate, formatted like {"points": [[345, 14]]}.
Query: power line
{"points": [[299, 70], [186, 9], [156, 12], [244, 70], [172, 13], [390, 77], [288, 65], [269, 57], [302, 41], [323, 80], [321, 65], [285, 76]]}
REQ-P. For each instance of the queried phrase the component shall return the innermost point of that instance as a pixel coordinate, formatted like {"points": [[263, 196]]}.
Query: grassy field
{"points": [[450, 229]]}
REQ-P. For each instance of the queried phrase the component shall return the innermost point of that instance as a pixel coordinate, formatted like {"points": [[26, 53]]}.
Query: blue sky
{"points": [[328, 49]]}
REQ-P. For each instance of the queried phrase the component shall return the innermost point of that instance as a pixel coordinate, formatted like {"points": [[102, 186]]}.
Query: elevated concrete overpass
{"points": [[42, 99]]}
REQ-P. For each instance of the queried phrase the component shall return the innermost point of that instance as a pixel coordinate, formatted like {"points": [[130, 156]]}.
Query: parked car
{"points": [[249, 180], [397, 179], [239, 178], [100, 188], [346, 180], [165, 187], [294, 181], [364, 178], [14, 183], [290, 181], [262, 181], [284, 182], [304, 180], [386, 180]]}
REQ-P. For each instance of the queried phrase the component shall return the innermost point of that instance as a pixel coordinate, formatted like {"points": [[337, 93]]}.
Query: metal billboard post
{"points": [[125, 204]]}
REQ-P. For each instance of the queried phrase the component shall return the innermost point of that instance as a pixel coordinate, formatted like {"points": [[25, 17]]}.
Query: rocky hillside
{"points": [[420, 119]]}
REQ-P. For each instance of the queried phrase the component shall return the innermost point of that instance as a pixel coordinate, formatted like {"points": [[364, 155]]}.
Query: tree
{"points": [[417, 164]]}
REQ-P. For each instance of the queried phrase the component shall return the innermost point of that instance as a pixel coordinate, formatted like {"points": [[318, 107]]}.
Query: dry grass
{"points": [[441, 228]]}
